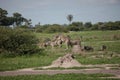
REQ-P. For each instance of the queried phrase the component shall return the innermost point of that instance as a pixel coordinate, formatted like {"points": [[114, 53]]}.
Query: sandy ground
{"points": [[52, 72], [32, 71]]}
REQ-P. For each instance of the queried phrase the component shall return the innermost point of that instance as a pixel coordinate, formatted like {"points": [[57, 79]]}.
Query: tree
{"points": [[3, 15], [7, 21], [117, 24], [88, 25], [112, 25], [70, 18], [76, 26], [18, 18], [29, 22]]}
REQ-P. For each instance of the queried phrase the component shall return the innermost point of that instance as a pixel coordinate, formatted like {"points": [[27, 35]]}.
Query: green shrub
{"points": [[17, 41], [53, 29]]}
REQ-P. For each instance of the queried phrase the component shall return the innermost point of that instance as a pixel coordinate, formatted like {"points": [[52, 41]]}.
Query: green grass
{"points": [[60, 77], [24, 62], [87, 60], [27, 61], [111, 45], [96, 35], [91, 38], [86, 35]]}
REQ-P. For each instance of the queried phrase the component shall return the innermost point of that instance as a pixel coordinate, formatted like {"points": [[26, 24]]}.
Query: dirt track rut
{"points": [[52, 72]]}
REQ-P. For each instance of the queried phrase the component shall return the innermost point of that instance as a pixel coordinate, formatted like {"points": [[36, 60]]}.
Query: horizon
{"points": [[56, 11]]}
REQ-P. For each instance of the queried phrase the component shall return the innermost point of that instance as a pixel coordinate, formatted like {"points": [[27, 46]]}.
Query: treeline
{"points": [[16, 19], [78, 26], [50, 28]]}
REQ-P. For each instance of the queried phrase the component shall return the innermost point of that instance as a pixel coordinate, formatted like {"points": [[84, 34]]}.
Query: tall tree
{"points": [[3, 15], [18, 18], [70, 18]]}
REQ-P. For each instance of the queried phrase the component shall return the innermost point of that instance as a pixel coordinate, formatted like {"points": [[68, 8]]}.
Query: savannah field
{"points": [[90, 38], [59, 39]]}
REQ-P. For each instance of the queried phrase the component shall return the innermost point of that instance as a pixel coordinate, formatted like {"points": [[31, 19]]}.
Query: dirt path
{"points": [[30, 71], [90, 69]]}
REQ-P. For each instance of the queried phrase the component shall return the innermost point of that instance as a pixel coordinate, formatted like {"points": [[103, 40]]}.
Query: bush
{"points": [[17, 41], [73, 28], [55, 28]]}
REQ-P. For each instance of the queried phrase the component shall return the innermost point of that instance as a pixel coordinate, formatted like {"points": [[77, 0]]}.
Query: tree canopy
{"points": [[17, 18], [70, 17]]}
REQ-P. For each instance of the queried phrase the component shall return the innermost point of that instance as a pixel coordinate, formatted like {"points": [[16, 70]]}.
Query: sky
{"points": [[56, 11]]}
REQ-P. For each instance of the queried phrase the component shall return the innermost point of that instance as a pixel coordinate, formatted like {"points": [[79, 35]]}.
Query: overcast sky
{"points": [[55, 11]]}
